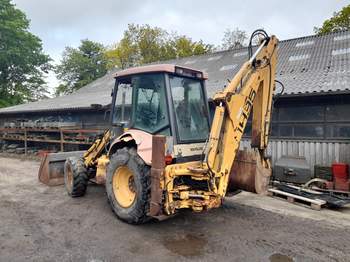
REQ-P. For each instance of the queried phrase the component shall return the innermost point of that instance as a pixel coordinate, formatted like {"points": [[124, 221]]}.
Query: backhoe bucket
{"points": [[248, 173], [51, 171]]}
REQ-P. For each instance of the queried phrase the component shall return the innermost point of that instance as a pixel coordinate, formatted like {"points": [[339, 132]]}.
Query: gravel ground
{"points": [[40, 223]]}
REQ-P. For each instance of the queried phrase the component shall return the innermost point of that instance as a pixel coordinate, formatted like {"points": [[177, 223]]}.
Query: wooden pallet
{"points": [[315, 204]]}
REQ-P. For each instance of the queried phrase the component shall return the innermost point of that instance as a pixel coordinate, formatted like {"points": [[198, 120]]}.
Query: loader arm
{"points": [[51, 171], [95, 151]]}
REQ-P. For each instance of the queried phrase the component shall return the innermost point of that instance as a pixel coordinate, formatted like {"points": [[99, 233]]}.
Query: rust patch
{"points": [[51, 173], [256, 138], [158, 154], [248, 174]]}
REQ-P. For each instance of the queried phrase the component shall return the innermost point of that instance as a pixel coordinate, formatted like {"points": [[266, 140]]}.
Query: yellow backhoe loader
{"points": [[163, 153]]}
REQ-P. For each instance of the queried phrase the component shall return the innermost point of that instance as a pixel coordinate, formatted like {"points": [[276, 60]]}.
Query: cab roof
{"points": [[167, 68]]}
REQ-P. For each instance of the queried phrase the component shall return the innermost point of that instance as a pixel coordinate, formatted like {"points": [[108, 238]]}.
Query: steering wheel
{"points": [[146, 115]]}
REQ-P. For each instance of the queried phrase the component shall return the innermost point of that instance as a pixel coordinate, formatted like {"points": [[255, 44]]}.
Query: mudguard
{"points": [[141, 139]]}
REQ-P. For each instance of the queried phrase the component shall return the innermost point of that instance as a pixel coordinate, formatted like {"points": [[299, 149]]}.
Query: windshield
{"points": [[190, 109]]}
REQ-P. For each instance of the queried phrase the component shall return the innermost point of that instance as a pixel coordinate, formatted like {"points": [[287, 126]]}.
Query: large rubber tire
{"points": [[136, 213], [75, 177]]}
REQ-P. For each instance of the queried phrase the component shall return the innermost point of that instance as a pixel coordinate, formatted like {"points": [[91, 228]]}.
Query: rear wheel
{"points": [[128, 186], [75, 176]]}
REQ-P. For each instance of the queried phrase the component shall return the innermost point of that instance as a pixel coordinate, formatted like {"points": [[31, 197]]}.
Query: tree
{"points": [[142, 44], [233, 39], [339, 22], [121, 55], [183, 46], [80, 66], [22, 60]]}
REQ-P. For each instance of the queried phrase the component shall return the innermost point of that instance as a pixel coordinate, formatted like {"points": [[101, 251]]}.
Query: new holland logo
{"points": [[196, 148]]}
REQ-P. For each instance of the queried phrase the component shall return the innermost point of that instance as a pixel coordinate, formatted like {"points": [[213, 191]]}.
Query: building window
{"points": [[274, 130], [338, 112], [240, 54], [189, 62], [228, 67], [304, 43], [301, 113], [298, 57], [309, 120], [213, 58], [341, 37], [248, 129], [340, 51], [285, 131], [320, 118], [338, 131], [308, 131]]}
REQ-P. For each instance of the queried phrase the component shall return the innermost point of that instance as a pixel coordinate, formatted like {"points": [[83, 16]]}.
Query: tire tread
{"points": [[80, 176], [129, 156]]}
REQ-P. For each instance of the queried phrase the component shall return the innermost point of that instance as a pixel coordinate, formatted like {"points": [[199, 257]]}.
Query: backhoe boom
{"points": [[251, 89]]}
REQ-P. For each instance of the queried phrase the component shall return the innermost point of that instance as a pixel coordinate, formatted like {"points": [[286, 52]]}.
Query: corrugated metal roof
{"points": [[97, 92], [306, 65]]}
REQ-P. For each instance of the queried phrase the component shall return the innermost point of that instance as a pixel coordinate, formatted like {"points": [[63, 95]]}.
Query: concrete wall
{"points": [[320, 153]]}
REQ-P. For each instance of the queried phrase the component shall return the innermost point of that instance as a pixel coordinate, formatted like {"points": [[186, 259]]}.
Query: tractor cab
{"points": [[164, 100]]}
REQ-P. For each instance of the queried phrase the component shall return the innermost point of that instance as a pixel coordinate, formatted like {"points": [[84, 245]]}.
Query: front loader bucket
{"points": [[248, 173], [51, 171]]}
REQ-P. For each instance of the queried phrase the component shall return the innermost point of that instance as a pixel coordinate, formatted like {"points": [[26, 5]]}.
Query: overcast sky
{"points": [[61, 23]]}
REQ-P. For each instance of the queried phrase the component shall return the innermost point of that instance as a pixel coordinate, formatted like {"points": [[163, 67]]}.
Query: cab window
{"points": [[190, 109], [150, 107]]}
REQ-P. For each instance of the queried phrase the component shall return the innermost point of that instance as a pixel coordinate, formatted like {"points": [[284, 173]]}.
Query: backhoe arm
{"points": [[202, 185], [251, 89]]}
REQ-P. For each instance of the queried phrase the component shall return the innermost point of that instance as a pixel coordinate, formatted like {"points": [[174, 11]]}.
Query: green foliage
{"points": [[233, 39], [22, 61], [80, 66], [339, 22], [183, 46], [142, 44]]}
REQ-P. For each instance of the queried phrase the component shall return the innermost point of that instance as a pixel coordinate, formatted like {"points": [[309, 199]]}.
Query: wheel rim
{"points": [[124, 186], [69, 178]]}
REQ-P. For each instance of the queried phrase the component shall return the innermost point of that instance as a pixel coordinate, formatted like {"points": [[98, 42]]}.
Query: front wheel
{"points": [[75, 177], [128, 186]]}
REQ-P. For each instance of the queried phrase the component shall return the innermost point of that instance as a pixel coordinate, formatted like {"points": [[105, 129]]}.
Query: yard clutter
{"points": [[293, 169], [330, 186], [341, 177]]}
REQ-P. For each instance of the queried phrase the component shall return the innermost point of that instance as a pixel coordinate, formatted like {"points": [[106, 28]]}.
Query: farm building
{"points": [[310, 119]]}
